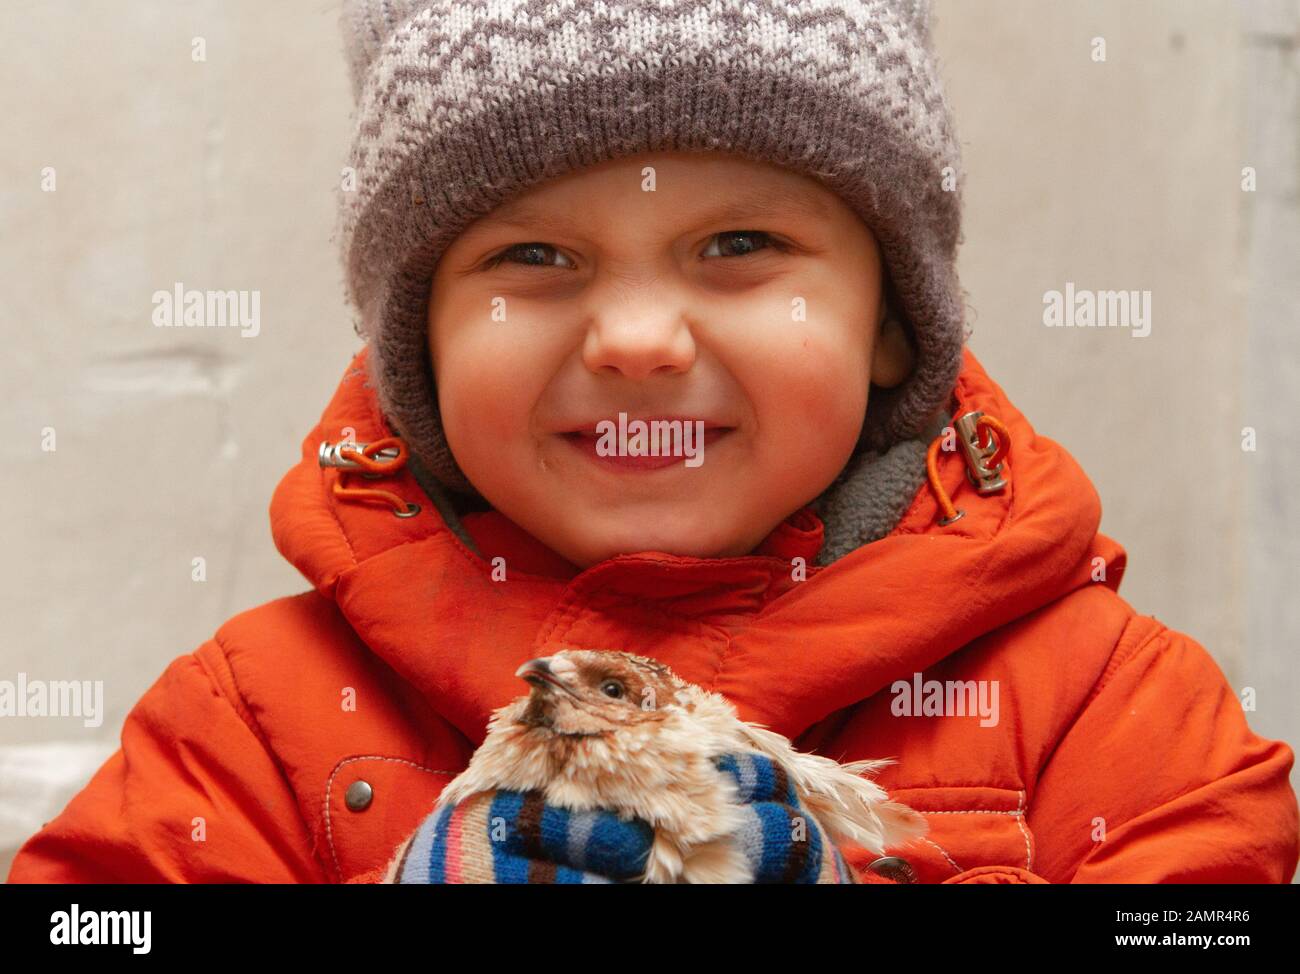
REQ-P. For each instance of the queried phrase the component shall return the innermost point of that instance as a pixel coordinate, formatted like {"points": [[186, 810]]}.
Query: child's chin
{"points": [[684, 543]]}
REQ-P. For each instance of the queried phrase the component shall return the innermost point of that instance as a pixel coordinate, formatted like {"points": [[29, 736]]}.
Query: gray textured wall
{"points": [[1122, 174]]}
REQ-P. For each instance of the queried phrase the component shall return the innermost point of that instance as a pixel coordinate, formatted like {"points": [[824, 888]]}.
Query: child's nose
{"points": [[639, 342]]}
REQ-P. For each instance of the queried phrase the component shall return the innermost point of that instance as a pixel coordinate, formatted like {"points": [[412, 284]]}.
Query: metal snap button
{"points": [[892, 867], [359, 796]]}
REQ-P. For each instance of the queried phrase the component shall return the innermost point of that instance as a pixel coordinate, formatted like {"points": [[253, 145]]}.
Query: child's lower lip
{"points": [[587, 446]]}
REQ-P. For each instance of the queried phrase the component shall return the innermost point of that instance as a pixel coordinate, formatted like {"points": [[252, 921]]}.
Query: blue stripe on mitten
{"points": [[781, 839]]}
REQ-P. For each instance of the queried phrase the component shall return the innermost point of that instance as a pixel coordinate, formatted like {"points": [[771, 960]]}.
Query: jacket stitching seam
{"points": [[572, 608], [678, 623], [1114, 665], [437, 534], [1016, 813], [1009, 872], [329, 506], [1107, 675], [329, 784], [721, 661], [1147, 811], [944, 853], [242, 709], [249, 721], [1020, 821], [475, 560], [666, 607], [654, 608], [565, 617]]}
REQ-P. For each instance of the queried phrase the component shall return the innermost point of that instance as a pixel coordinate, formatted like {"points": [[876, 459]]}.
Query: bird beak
{"points": [[537, 673]]}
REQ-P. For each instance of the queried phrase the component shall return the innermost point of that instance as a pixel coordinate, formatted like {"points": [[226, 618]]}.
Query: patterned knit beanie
{"points": [[461, 106]]}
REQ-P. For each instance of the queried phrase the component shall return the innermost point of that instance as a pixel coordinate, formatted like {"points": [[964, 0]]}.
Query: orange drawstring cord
{"points": [[932, 469], [982, 427], [1004, 439], [364, 458]]}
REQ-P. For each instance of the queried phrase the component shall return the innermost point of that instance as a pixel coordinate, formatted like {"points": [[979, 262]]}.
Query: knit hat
{"points": [[460, 107]]}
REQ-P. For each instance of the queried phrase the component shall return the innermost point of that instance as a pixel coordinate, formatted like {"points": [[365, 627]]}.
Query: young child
{"points": [[748, 223]]}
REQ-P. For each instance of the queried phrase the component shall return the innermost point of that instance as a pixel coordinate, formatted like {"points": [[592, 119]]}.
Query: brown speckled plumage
{"points": [[614, 731]]}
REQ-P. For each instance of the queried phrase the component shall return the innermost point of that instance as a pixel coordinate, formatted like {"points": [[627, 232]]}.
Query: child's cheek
{"points": [[823, 379], [489, 379]]}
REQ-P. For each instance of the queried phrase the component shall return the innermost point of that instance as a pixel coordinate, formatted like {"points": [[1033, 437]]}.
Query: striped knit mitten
{"points": [[781, 839], [515, 837]]}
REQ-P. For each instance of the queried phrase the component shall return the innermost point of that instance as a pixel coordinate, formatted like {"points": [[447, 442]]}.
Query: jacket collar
{"points": [[800, 535], [795, 651]]}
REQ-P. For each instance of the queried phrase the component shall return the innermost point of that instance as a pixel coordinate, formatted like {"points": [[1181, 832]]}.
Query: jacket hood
{"points": [[787, 651]]}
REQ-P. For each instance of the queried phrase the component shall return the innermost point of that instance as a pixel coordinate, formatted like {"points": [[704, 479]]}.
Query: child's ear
{"points": [[894, 358]]}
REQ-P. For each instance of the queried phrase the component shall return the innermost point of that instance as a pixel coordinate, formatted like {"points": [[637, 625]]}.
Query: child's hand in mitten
{"points": [[780, 838], [515, 837]]}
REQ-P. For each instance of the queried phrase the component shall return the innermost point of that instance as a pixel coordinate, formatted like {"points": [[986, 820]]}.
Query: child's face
{"points": [[591, 295]]}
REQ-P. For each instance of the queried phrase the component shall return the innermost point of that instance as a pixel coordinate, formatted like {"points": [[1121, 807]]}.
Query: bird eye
{"points": [[612, 688]]}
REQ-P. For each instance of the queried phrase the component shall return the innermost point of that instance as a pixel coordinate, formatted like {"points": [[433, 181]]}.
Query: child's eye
{"points": [[529, 254], [740, 243]]}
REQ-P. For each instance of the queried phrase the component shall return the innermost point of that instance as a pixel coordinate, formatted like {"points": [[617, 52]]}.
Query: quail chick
{"points": [[610, 730]]}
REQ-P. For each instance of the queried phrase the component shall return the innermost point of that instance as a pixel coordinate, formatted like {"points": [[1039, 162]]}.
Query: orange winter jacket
{"points": [[1119, 752]]}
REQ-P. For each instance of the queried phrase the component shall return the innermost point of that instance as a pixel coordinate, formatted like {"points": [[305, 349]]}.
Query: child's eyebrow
{"points": [[766, 203], [773, 202]]}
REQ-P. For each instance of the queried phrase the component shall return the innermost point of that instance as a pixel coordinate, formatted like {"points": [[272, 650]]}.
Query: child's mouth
{"points": [[586, 443]]}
